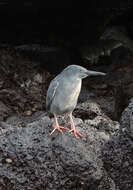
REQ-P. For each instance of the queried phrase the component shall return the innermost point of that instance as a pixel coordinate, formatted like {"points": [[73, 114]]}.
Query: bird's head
{"points": [[80, 72]]}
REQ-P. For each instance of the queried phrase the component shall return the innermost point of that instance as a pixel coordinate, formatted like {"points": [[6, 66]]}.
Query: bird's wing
{"points": [[51, 93]]}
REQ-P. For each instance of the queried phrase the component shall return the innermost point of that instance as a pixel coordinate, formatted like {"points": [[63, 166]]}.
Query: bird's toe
{"points": [[59, 128], [76, 133]]}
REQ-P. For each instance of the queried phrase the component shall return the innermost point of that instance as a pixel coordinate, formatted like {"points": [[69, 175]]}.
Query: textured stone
{"points": [[118, 151], [32, 159]]}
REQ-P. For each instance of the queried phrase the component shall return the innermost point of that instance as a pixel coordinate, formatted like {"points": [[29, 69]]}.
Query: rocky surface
{"points": [[23, 84], [117, 153], [102, 48], [32, 159]]}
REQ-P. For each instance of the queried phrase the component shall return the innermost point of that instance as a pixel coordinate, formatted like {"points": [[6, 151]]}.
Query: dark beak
{"points": [[95, 73]]}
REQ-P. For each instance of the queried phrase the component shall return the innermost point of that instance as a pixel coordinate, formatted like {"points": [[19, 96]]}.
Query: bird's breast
{"points": [[70, 98], [75, 90], [65, 99]]}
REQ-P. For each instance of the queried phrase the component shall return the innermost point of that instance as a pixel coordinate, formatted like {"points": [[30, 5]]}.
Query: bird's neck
{"points": [[75, 81], [74, 78]]}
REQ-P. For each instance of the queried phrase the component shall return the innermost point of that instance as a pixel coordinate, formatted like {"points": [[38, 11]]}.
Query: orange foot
{"points": [[76, 133], [59, 128]]}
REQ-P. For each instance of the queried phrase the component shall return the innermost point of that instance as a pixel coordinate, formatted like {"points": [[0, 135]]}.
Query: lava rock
{"points": [[118, 151], [4, 110], [32, 159]]}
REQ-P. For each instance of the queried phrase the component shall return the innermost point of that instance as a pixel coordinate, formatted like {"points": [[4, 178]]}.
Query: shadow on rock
{"points": [[117, 153]]}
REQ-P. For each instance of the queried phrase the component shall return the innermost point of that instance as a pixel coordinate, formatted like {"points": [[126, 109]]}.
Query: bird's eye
{"points": [[78, 70]]}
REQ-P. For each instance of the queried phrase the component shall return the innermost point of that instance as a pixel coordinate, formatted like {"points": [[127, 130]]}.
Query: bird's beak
{"points": [[94, 73]]}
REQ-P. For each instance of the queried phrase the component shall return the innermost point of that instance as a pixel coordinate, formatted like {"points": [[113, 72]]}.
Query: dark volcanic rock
{"points": [[4, 111], [118, 152], [32, 159], [119, 34], [92, 53]]}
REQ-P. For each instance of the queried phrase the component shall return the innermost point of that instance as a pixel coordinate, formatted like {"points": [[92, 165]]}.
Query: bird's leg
{"points": [[76, 133], [56, 126]]}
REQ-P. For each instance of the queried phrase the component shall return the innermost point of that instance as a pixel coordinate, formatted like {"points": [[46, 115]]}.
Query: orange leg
{"points": [[56, 126], [76, 133]]}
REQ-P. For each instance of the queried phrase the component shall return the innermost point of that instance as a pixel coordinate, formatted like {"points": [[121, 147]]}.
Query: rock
{"points": [[118, 151], [118, 33], [127, 120], [28, 112], [87, 110], [92, 53], [4, 111], [38, 78], [32, 159], [107, 183], [92, 104]]}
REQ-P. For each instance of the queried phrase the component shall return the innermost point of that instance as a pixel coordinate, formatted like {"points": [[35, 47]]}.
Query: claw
{"points": [[59, 128], [76, 133]]}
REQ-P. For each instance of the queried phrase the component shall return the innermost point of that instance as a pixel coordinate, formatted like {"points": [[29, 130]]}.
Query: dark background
{"points": [[62, 23]]}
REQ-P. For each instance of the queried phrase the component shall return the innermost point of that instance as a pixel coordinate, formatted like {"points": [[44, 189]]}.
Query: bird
{"points": [[63, 92]]}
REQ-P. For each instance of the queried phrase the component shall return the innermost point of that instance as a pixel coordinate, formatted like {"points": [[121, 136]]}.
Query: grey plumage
{"points": [[64, 89]]}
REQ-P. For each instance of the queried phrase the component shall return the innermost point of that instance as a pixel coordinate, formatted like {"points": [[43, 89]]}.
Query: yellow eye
{"points": [[78, 70]]}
